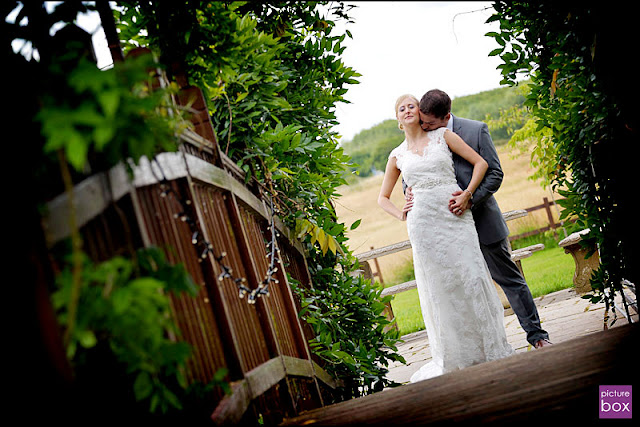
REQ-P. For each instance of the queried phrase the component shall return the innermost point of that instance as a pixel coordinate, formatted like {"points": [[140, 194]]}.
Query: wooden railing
{"points": [[373, 254], [393, 248], [552, 224]]}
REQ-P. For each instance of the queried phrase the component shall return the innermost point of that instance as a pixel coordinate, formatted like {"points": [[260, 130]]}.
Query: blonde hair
{"points": [[399, 100], [402, 97]]}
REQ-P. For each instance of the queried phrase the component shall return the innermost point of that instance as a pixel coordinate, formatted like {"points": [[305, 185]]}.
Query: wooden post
{"points": [[547, 207], [109, 27], [378, 271], [388, 311]]}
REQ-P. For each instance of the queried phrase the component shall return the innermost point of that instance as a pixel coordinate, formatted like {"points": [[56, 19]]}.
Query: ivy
{"points": [[107, 116], [350, 307], [114, 315], [124, 302], [272, 75], [577, 122]]}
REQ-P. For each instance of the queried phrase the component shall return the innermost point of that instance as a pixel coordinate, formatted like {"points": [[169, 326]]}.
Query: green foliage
{"points": [[528, 137], [486, 103], [272, 75], [106, 115], [124, 305], [346, 314], [576, 123], [117, 311], [369, 149]]}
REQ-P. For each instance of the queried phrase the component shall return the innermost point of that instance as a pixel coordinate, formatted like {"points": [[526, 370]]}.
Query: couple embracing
{"points": [[450, 170]]}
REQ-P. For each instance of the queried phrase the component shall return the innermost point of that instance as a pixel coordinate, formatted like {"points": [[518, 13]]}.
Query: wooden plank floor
{"points": [[557, 383], [564, 315]]}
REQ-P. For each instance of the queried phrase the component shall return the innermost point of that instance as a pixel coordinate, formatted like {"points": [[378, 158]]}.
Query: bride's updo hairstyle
{"points": [[399, 100]]}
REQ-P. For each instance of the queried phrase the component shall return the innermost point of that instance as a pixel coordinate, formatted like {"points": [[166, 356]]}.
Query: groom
{"points": [[435, 112]]}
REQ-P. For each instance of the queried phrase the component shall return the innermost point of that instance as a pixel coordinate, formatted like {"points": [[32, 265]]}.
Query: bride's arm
{"points": [[391, 175], [480, 165]]}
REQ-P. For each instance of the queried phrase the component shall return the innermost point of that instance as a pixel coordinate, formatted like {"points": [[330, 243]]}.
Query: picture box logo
{"points": [[615, 401]]}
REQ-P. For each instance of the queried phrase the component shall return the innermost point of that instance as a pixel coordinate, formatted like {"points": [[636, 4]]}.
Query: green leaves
{"points": [[575, 123], [112, 113], [347, 316], [125, 306], [317, 235], [272, 76]]}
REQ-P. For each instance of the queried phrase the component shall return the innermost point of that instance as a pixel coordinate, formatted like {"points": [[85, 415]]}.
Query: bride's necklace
{"points": [[416, 149]]}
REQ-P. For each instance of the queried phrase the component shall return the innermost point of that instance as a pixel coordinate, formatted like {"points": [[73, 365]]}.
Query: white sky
{"points": [[399, 47], [410, 47]]}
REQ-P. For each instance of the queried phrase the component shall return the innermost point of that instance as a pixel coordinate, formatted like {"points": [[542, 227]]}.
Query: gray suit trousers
{"points": [[505, 272]]}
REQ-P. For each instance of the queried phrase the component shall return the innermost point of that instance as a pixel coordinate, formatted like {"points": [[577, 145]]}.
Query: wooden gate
{"points": [[262, 345]]}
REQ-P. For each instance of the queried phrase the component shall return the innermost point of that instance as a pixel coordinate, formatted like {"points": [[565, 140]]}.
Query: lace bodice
{"points": [[432, 167]]}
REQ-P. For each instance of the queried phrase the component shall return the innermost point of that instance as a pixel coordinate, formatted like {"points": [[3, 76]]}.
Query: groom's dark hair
{"points": [[436, 102]]}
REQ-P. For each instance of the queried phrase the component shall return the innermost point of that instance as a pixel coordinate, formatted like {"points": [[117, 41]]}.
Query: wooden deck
{"points": [[564, 315], [557, 383]]}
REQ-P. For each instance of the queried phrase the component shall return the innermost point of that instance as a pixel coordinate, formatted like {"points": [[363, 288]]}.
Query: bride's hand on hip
{"points": [[405, 209], [408, 194]]}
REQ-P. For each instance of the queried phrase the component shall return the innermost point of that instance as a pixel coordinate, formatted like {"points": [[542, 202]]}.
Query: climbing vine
{"points": [[272, 76], [581, 124]]}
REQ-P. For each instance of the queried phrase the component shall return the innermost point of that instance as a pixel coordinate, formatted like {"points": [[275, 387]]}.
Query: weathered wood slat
{"points": [[532, 248], [392, 290], [94, 194], [232, 407], [514, 214], [265, 376], [324, 376], [386, 250], [260, 379], [558, 383], [297, 367], [520, 255]]}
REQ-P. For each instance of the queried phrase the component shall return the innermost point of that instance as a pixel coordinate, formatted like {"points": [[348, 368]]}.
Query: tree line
{"points": [[370, 147]]}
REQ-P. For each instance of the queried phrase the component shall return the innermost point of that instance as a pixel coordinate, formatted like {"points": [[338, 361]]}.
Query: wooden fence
{"points": [[363, 258], [552, 225], [374, 253], [263, 346]]}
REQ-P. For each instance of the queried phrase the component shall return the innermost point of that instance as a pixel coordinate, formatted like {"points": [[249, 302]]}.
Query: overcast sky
{"points": [[410, 47], [399, 47]]}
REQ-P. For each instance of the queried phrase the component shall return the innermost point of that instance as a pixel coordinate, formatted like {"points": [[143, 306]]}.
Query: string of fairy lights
{"points": [[204, 247]]}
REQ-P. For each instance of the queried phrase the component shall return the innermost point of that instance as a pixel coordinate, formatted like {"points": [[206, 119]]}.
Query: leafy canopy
{"points": [[581, 123]]}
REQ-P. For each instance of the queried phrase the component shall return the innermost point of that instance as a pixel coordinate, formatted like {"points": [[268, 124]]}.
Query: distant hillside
{"points": [[370, 147]]}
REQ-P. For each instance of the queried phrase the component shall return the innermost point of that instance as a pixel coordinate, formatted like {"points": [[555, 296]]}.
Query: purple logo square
{"points": [[615, 401]]}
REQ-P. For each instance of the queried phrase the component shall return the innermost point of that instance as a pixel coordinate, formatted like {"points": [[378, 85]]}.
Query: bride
{"points": [[462, 312]]}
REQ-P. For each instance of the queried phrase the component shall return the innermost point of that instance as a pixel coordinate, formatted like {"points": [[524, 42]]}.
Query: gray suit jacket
{"points": [[486, 213]]}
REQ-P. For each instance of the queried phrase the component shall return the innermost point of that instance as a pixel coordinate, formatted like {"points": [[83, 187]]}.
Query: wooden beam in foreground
{"points": [[555, 384]]}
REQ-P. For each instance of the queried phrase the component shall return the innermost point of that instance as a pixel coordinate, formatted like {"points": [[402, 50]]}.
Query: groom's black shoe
{"points": [[542, 343]]}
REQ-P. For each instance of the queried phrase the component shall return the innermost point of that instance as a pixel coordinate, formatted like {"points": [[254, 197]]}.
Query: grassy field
{"points": [[546, 271], [377, 229]]}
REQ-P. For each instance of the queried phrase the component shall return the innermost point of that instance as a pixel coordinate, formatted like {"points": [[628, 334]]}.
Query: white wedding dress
{"points": [[462, 312]]}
